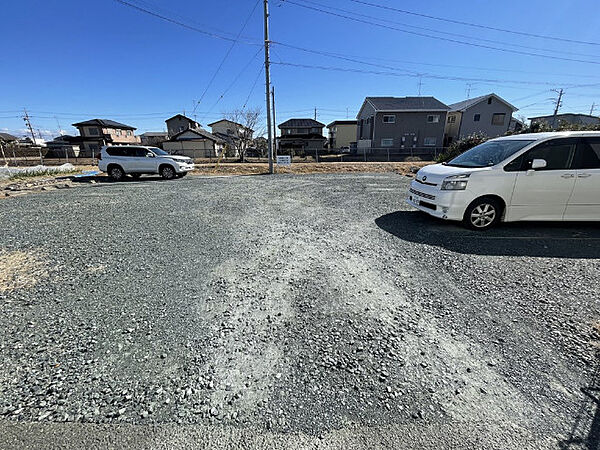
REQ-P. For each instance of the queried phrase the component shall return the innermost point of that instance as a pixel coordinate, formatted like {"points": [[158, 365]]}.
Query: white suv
{"points": [[119, 161], [541, 176]]}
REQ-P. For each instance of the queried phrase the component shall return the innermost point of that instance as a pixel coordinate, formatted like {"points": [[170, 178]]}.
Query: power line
{"points": [[412, 73], [456, 41], [226, 56], [493, 41], [470, 24], [182, 24], [253, 85]]}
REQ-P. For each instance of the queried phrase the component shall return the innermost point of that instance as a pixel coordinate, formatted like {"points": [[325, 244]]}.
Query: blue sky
{"points": [[70, 60]]}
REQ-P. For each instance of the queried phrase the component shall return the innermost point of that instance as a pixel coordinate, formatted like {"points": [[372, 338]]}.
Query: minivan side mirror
{"points": [[538, 164]]}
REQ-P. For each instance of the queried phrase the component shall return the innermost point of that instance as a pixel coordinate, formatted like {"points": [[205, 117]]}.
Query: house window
{"points": [[451, 119], [389, 119], [387, 142], [430, 142], [498, 119], [93, 131], [129, 133], [476, 117], [433, 118], [118, 132]]}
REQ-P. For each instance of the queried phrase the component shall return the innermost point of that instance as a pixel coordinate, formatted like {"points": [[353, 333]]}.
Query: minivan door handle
{"points": [[567, 175], [584, 175]]}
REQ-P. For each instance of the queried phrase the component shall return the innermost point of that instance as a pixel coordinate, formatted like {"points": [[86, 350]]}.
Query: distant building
{"points": [[516, 125], [571, 118], [8, 138], [487, 114], [179, 123], [99, 132], [195, 143], [234, 134], [400, 123], [301, 136], [153, 138], [342, 133], [64, 146]]}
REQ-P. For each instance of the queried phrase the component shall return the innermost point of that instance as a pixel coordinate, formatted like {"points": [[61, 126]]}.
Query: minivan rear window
{"points": [[489, 153]]}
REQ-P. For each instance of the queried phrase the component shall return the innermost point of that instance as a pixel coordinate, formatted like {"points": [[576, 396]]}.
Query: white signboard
{"points": [[284, 160]]}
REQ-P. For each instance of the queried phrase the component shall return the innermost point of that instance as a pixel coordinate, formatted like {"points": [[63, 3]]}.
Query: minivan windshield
{"points": [[489, 153], [158, 151]]}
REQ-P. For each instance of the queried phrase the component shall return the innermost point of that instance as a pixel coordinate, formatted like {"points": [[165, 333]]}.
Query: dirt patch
{"points": [[11, 187], [19, 270], [403, 168]]}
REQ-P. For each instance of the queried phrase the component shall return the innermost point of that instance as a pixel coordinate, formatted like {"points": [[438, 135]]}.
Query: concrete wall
{"points": [[469, 126], [194, 149], [412, 126]]}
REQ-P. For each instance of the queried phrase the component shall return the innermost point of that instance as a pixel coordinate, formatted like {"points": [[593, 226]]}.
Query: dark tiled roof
{"points": [[8, 137], [182, 117], [200, 132], [407, 103], [465, 104], [342, 122], [301, 123], [104, 123]]}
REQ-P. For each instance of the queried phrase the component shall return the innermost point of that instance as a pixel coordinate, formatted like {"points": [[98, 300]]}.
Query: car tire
{"points": [[167, 172], [483, 214], [136, 175], [181, 175], [116, 173]]}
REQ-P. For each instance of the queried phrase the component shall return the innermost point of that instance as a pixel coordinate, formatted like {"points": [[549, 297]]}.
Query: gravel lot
{"points": [[306, 311]]}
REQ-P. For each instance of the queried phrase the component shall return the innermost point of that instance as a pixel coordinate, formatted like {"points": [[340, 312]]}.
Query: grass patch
{"points": [[19, 270]]}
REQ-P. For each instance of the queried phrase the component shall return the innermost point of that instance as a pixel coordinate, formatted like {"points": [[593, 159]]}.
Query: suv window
{"points": [[588, 154], [141, 152], [558, 154], [115, 151]]}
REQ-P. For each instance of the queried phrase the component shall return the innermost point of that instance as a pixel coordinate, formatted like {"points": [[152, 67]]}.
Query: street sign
{"points": [[284, 160]]}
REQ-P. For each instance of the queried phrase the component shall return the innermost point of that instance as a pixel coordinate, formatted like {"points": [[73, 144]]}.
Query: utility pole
{"points": [[558, 105], [420, 84], [268, 85], [315, 113], [274, 122], [347, 115], [592, 109], [469, 86], [28, 122]]}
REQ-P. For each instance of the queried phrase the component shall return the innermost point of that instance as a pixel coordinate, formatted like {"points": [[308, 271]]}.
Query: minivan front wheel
{"points": [[483, 214]]}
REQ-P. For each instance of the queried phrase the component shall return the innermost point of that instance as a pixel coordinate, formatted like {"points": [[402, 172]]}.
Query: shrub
{"points": [[461, 146]]}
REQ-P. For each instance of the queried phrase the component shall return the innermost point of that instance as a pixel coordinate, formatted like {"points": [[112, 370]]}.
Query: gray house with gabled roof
{"points": [[400, 123], [489, 114], [301, 137]]}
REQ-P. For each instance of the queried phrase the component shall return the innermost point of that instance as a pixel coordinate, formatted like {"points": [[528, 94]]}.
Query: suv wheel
{"points": [[167, 172], [116, 173], [483, 214]]}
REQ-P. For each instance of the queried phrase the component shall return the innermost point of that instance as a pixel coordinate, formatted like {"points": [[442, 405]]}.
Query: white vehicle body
{"points": [[553, 177], [137, 160]]}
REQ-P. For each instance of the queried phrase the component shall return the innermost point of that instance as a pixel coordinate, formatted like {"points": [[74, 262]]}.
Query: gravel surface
{"points": [[295, 311]]}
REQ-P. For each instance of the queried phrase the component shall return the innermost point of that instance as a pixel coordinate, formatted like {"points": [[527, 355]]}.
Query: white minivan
{"points": [[539, 176]]}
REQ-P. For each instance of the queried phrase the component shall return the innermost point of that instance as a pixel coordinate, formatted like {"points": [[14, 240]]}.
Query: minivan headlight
{"points": [[456, 182]]}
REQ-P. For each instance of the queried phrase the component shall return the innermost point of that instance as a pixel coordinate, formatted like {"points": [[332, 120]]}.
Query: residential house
{"points": [[570, 118], [515, 125], [235, 135], [154, 138], [400, 124], [179, 123], [195, 143], [301, 136], [488, 114], [99, 132], [64, 146], [8, 138], [342, 133]]}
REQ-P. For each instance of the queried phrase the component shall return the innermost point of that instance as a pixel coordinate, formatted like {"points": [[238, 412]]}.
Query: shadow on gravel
{"points": [[579, 240], [585, 432]]}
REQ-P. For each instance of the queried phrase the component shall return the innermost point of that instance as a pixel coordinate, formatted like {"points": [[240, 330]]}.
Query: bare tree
{"points": [[242, 136]]}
